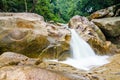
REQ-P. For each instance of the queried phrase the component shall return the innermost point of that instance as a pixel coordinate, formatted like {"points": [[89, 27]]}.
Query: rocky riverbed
{"points": [[27, 41], [17, 66]]}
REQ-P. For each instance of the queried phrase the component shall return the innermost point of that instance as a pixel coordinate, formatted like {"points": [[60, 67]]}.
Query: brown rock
{"points": [[92, 34], [28, 73], [58, 51], [12, 64], [111, 11], [108, 21], [28, 34], [32, 16], [103, 13], [85, 26], [110, 26], [10, 58], [23, 41], [109, 71]]}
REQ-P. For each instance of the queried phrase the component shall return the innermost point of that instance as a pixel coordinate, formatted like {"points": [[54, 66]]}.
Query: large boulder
{"points": [[59, 38], [15, 66], [111, 11], [109, 26], [28, 73], [92, 34], [108, 21], [29, 34], [10, 58], [58, 51], [110, 71], [83, 25], [22, 34]]}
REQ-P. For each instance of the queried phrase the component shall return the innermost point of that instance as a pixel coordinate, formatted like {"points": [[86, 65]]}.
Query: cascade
{"points": [[79, 48], [82, 55]]}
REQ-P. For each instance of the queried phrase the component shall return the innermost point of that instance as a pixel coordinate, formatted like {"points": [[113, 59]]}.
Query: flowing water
{"points": [[79, 48], [83, 57]]}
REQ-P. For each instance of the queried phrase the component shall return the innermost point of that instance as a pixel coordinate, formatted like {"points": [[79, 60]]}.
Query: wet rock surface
{"points": [[29, 34], [109, 71], [37, 38], [14, 66], [110, 26], [111, 11], [28, 73], [108, 21], [26, 68], [92, 34]]}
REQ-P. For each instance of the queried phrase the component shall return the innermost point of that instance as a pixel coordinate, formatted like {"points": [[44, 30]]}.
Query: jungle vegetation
{"points": [[56, 10]]}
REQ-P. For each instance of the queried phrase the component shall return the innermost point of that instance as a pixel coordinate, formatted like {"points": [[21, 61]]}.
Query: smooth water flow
{"points": [[83, 57], [79, 48]]}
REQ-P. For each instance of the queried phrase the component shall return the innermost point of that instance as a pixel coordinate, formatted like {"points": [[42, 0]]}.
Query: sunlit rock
{"points": [[83, 25], [29, 34], [92, 34], [24, 41], [110, 71], [58, 51], [107, 12], [28, 73], [10, 58], [110, 26], [108, 21]]}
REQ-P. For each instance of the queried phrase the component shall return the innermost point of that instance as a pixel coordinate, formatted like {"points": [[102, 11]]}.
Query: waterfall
{"points": [[79, 48], [83, 57]]}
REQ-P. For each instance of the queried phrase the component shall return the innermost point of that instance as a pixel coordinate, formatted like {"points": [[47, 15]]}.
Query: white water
{"points": [[79, 48], [83, 57]]}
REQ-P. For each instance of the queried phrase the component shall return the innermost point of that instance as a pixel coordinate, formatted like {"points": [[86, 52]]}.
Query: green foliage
{"points": [[64, 8], [46, 9], [15, 5], [56, 10], [11, 5]]}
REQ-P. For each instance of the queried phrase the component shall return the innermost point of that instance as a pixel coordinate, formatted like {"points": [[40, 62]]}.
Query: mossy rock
{"points": [[24, 42], [59, 51]]}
